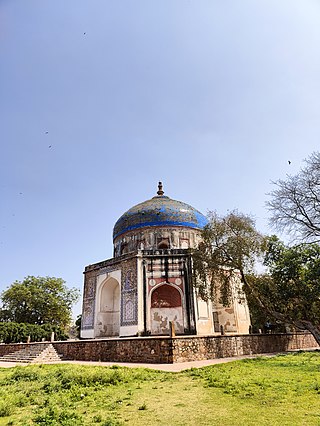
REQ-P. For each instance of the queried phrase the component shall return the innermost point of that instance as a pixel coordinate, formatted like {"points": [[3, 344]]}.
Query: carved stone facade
{"points": [[151, 238], [148, 283]]}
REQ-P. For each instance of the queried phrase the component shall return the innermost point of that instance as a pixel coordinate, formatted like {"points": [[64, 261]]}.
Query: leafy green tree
{"points": [[288, 292], [295, 203], [38, 300], [230, 247], [292, 291], [11, 332]]}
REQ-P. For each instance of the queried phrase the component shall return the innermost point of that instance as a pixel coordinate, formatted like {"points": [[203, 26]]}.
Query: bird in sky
{"points": [[289, 162], [47, 133], [49, 146]]}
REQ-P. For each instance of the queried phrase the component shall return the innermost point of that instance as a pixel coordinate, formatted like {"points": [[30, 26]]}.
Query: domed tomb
{"points": [[159, 222], [148, 287]]}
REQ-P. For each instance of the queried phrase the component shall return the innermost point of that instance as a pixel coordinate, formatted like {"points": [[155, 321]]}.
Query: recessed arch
{"points": [[164, 244], [166, 306], [108, 318], [167, 296]]}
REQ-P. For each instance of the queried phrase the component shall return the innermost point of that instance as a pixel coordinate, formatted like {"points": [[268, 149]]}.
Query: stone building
{"points": [[148, 282]]}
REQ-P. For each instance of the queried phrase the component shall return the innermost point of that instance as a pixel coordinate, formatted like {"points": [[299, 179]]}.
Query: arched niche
{"points": [[165, 296], [164, 244], [165, 306], [108, 318]]}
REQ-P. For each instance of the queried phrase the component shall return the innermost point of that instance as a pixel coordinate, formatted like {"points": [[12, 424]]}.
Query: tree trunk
{"points": [[314, 330]]}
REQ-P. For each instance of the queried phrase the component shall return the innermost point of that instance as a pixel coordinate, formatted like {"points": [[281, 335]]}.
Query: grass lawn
{"points": [[282, 390]]}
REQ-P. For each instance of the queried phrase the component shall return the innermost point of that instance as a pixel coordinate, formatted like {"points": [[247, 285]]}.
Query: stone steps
{"points": [[34, 353]]}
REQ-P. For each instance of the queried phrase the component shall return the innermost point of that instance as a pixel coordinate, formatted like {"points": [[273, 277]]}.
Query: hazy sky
{"points": [[101, 99]]}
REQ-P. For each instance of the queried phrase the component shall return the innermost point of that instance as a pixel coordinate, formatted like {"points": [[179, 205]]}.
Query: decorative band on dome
{"points": [[164, 223]]}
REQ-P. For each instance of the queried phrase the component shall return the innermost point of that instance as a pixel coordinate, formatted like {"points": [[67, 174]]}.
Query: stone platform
{"points": [[166, 350]]}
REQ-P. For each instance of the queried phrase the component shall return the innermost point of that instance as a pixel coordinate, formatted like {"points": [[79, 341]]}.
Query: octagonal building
{"points": [[148, 282]]}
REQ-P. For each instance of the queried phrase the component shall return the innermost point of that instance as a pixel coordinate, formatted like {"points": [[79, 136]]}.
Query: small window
{"points": [[124, 248], [184, 243], [163, 244]]}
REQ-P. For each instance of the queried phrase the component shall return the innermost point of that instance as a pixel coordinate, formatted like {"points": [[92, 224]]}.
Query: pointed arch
{"points": [[166, 304], [108, 318]]}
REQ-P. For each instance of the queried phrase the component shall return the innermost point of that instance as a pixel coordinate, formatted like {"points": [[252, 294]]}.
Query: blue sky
{"points": [[99, 100]]}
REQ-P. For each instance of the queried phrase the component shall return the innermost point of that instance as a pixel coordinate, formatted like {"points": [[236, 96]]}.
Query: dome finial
{"points": [[160, 191]]}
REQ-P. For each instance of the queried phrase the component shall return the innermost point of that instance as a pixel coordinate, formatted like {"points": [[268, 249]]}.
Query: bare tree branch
{"points": [[295, 204]]}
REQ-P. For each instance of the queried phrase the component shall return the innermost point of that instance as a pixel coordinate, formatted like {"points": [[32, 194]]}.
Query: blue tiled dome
{"points": [[159, 211]]}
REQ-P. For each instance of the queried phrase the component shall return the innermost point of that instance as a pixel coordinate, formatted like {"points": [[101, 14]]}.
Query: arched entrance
{"points": [[108, 318], [166, 305]]}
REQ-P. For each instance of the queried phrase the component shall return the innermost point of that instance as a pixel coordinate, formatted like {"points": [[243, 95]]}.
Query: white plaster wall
{"points": [[203, 309], [128, 330], [243, 316], [235, 318], [107, 324], [227, 318], [240, 306], [160, 318], [107, 315], [203, 316], [87, 334]]}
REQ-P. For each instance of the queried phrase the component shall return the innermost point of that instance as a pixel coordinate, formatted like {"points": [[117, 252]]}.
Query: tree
{"points": [[295, 204], [230, 246], [12, 332], [292, 292], [38, 300], [288, 292], [78, 324]]}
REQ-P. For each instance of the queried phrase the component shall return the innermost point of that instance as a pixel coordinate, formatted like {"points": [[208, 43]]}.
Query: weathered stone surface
{"points": [[36, 353], [201, 348], [166, 350]]}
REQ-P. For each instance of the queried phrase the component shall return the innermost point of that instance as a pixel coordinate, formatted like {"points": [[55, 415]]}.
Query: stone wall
{"points": [[179, 349], [149, 350], [208, 347]]}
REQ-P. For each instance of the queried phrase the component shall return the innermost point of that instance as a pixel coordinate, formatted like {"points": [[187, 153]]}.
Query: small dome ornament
{"points": [[160, 191]]}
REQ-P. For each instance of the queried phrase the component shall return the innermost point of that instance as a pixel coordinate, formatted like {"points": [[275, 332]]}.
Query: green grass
{"points": [[282, 390]]}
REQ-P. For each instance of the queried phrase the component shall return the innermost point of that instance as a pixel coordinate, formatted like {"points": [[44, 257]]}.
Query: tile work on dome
{"points": [[159, 211]]}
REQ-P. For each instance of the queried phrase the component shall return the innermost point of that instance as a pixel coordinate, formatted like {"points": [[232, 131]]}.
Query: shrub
{"points": [[53, 416], [5, 410], [12, 332], [22, 374], [111, 422]]}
